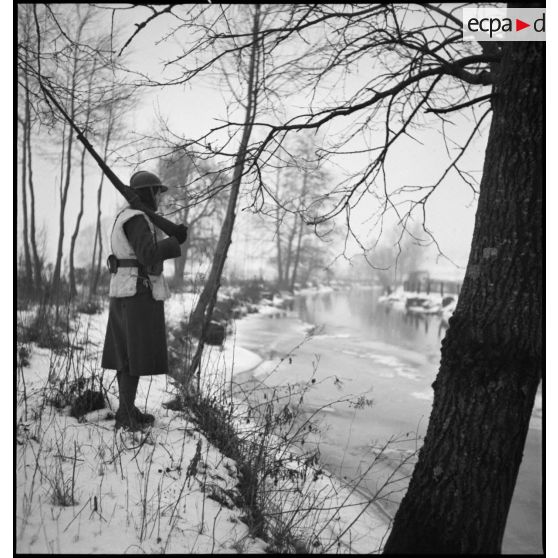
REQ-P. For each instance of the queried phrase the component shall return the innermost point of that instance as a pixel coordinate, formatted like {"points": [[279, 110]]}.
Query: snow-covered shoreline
{"points": [[83, 488], [130, 495]]}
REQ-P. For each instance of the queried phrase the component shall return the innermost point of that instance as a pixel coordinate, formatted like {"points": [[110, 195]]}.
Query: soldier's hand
{"points": [[181, 233]]}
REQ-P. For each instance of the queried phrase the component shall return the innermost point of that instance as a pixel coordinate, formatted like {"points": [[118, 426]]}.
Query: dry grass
{"points": [[282, 490]]}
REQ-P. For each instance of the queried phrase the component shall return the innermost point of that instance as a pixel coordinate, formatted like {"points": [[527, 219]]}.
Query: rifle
{"points": [[168, 227]]}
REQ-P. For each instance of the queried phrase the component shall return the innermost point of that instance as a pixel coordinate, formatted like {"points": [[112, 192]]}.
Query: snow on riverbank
{"points": [[84, 488], [122, 493]]}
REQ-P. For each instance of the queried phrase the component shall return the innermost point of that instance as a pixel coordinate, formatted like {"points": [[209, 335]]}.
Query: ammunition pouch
{"points": [[113, 263]]}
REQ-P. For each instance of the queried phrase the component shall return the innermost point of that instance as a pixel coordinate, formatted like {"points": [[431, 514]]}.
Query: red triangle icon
{"points": [[519, 25]]}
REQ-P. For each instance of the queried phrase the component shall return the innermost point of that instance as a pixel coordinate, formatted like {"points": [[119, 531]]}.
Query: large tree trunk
{"points": [[462, 486]]}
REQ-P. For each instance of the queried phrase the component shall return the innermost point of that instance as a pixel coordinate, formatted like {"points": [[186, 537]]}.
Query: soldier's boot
{"points": [[126, 416], [143, 418]]}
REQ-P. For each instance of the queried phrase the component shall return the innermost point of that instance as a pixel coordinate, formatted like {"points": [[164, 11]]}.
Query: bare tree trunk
{"points": [[63, 199], [289, 259], [97, 274], [462, 486], [279, 256], [37, 260], [278, 232], [204, 307], [64, 189], [300, 229], [96, 259], [308, 272], [297, 252], [99, 259], [37, 263], [26, 251], [26, 125], [72, 276], [96, 266], [93, 260], [60, 187], [180, 262]]}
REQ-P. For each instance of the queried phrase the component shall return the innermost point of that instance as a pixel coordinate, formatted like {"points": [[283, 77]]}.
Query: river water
{"points": [[385, 360]]}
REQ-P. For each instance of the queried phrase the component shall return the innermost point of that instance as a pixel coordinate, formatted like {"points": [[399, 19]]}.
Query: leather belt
{"points": [[113, 263], [128, 263]]}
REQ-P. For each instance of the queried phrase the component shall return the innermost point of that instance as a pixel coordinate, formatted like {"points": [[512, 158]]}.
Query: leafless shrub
{"points": [[62, 483], [273, 442]]}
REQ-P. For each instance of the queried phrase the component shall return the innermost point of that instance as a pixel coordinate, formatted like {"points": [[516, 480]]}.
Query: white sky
{"points": [[191, 111]]}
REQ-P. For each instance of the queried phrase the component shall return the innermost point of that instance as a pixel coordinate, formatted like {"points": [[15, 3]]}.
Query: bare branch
{"points": [[143, 24], [461, 105]]}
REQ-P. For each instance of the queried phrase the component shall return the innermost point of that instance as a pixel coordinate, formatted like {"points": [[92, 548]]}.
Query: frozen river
{"points": [[364, 349]]}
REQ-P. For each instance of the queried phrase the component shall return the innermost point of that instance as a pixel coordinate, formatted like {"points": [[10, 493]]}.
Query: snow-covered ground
{"points": [[132, 494], [84, 488]]}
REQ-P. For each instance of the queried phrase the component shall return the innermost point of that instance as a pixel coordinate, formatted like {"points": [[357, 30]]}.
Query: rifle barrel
{"points": [[131, 197]]}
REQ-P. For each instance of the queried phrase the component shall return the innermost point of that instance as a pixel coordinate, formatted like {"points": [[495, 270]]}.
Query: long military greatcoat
{"points": [[136, 335]]}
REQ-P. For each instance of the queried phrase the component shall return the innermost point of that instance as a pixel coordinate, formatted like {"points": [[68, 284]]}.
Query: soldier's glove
{"points": [[181, 233]]}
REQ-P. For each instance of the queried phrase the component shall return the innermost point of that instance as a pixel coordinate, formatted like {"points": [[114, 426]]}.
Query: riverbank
{"points": [[392, 358], [84, 488], [341, 512]]}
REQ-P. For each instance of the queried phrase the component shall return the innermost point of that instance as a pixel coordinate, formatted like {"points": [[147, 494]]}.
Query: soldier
{"points": [[135, 342]]}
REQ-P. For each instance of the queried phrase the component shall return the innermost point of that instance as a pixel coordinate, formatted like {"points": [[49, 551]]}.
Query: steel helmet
{"points": [[145, 179]]}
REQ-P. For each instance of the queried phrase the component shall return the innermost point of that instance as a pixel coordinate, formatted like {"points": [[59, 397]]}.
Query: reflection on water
{"points": [[358, 309], [357, 315]]}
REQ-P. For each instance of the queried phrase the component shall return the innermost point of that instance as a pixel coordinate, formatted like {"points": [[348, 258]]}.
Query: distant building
{"points": [[442, 282]]}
